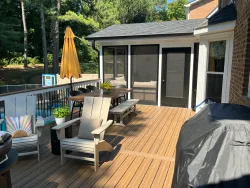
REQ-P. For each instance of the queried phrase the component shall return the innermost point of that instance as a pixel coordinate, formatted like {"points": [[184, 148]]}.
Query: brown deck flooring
{"points": [[143, 156]]}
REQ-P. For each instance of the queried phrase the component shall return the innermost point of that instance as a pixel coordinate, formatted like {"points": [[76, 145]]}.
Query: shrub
{"points": [[2, 83], [17, 60], [50, 58], [34, 60], [4, 62]]}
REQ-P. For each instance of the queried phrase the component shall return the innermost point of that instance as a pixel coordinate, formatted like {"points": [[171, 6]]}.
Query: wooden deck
{"points": [[143, 156]]}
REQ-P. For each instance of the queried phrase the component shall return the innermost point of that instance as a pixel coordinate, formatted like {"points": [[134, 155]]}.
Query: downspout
{"points": [[98, 52]]}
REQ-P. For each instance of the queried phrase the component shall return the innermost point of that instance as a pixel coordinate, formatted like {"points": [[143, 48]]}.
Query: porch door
{"points": [[175, 76]]}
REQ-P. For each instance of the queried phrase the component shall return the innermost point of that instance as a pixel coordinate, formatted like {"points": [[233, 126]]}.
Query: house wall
{"points": [[241, 55], [202, 9]]}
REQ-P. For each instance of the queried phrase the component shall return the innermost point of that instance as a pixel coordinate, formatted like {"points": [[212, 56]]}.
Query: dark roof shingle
{"points": [[179, 27]]}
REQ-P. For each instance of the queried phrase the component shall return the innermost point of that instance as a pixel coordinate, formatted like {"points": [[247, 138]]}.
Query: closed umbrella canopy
{"points": [[70, 66]]}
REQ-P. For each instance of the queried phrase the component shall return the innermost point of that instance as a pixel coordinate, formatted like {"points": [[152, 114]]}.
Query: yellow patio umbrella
{"points": [[70, 66]]}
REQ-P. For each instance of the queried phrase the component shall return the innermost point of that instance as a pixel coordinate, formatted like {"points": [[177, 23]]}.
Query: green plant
{"points": [[34, 60], [106, 85], [4, 62], [50, 58], [17, 60], [61, 112]]}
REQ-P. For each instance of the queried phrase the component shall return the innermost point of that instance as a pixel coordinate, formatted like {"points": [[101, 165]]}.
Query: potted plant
{"points": [[60, 113], [106, 87]]}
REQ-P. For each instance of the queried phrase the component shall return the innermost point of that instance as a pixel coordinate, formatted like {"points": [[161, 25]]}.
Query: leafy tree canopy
{"points": [[83, 16]]}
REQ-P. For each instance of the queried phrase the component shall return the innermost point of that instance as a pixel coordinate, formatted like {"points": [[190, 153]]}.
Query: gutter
{"points": [[139, 36], [98, 52]]}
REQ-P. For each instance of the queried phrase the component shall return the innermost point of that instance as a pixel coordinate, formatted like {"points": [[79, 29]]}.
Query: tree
{"points": [[176, 10], [44, 42], [55, 36], [25, 38], [138, 11], [10, 29], [106, 13]]}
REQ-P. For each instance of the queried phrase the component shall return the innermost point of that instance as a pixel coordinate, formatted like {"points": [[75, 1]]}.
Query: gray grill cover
{"points": [[213, 148]]}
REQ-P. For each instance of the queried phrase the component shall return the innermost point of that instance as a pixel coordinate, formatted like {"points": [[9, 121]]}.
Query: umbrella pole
{"points": [[71, 85]]}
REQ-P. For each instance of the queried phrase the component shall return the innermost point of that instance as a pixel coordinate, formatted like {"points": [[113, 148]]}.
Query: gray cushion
{"points": [[87, 126]]}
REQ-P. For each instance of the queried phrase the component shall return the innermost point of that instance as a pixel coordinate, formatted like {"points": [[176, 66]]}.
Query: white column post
{"points": [[129, 70], [202, 71], [159, 75], [191, 77], [101, 64]]}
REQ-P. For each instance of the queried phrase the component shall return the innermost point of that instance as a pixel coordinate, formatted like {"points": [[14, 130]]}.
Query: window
{"points": [[215, 70], [115, 64]]}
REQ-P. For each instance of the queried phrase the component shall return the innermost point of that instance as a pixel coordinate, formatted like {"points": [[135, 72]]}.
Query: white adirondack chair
{"points": [[20, 106], [94, 107]]}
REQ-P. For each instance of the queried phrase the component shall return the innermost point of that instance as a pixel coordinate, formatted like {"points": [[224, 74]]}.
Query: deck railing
{"points": [[47, 97], [15, 88]]}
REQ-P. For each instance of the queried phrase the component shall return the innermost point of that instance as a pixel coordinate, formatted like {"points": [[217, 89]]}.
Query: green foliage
{"points": [[34, 60], [106, 85], [61, 112], [89, 68], [10, 28], [139, 11], [176, 10], [50, 58], [83, 16], [85, 52], [70, 17], [4, 62], [107, 13], [16, 60]]}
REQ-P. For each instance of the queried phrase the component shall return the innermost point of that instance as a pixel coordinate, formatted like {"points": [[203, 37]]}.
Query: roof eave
{"points": [[139, 36]]}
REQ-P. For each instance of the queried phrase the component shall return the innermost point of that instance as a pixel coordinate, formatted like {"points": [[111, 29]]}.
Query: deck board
{"points": [[143, 155]]}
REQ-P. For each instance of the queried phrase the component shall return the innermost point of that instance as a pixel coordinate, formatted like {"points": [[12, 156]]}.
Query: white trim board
{"points": [[129, 70], [213, 12], [222, 27], [152, 40], [101, 63]]}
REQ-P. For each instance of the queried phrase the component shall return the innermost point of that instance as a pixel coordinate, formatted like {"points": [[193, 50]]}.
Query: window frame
{"points": [[217, 73]]}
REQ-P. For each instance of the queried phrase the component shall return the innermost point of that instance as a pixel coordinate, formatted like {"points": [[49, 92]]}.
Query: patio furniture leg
{"points": [[115, 118], [72, 110], [96, 156], [80, 111], [38, 150], [63, 152], [121, 121]]}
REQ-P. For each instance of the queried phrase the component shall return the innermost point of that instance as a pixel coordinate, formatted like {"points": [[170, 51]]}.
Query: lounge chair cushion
{"points": [[17, 126], [87, 126]]}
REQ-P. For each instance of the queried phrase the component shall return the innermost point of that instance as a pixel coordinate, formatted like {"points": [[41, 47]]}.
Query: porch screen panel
{"points": [[115, 64], [108, 63], [175, 75], [144, 71]]}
